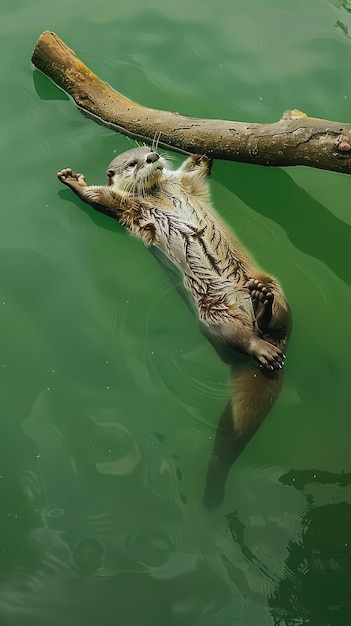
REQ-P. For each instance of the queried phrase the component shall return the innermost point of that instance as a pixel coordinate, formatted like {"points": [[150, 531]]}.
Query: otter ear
{"points": [[110, 175]]}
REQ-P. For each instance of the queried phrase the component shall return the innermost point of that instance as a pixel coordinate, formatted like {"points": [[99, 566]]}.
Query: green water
{"points": [[109, 394]]}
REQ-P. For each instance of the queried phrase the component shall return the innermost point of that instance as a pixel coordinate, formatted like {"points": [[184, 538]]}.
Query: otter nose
{"points": [[152, 157]]}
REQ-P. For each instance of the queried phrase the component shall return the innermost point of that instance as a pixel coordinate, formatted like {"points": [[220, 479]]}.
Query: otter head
{"points": [[136, 171]]}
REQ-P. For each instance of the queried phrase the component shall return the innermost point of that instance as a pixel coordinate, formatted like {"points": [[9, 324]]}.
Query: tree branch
{"points": [[295, 139]]}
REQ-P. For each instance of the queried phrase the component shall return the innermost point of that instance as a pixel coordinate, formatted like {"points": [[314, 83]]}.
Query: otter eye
{"points": [[133, 163]]}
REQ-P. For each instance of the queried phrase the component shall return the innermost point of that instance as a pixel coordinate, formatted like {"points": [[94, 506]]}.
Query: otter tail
{"points": [[254, 391]]}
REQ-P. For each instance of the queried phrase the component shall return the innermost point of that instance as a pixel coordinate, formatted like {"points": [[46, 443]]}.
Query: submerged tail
{"points": [[254, 391]]}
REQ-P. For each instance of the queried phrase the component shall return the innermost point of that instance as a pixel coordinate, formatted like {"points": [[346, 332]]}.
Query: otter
{"points": [[242, 311]]}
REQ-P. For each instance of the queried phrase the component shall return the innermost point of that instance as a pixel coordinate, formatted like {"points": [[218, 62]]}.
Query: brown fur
{"points": [[241, 309]]}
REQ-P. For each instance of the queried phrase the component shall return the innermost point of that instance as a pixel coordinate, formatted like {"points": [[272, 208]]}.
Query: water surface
{"points": [[109, 394]]}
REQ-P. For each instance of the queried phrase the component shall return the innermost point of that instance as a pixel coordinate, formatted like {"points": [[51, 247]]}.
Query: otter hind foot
{"points": [[268, 355], [262, 302]]}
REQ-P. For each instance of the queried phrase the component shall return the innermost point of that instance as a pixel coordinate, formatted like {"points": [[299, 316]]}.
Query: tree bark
{"points": [[295, 139]]}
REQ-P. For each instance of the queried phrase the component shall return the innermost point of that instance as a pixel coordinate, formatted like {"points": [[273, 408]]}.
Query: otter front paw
{"points": [[198, 162], [202, 161], [68, 177]]}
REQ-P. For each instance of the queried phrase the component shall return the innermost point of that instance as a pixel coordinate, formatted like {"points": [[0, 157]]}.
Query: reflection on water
{"points": [[307, 223], [315, 585], [299, 567], [88, 556]]}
